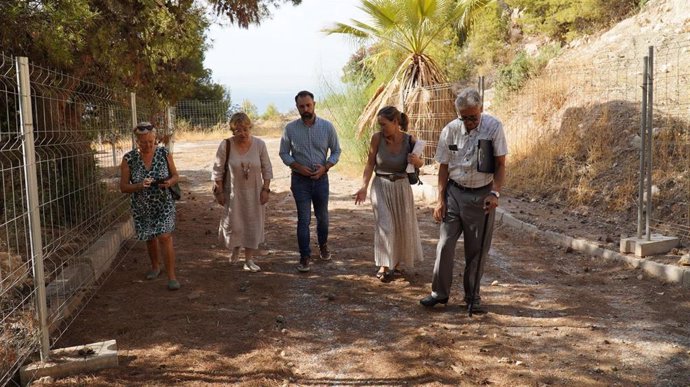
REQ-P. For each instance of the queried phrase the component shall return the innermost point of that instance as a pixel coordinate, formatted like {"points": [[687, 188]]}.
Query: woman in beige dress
{"points": [[396, 239], [245, 190]]}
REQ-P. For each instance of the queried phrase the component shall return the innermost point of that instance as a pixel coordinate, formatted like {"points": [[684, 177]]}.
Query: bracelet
{"points": [[266, 189]]}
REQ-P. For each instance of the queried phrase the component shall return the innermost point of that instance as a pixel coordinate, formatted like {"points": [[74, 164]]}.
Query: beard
{"points": [[307, 115]]}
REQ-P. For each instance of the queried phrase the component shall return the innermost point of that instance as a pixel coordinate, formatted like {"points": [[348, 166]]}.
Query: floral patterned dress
{"points": [[153, 208]]}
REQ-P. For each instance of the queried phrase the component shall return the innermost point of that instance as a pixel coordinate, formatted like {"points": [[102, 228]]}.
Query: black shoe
{"points": [[430, 301], [303, 266], [477, 308]]}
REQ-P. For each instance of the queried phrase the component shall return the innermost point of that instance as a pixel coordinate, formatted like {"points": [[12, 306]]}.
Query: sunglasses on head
{"points": [[144, 128]]}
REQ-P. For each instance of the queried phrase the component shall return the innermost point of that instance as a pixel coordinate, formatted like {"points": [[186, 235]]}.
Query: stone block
{"points": [[641, 247], [69, 361]]}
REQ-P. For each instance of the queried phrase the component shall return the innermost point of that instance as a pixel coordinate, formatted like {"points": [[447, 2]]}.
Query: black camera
{"points": [[157, 182]]}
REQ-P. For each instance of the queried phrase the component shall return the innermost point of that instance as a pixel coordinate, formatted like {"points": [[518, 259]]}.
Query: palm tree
{"points": [[408, 27]]}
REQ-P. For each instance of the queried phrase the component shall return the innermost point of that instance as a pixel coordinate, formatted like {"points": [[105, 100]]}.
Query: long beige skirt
{"points": [[396, 237]]}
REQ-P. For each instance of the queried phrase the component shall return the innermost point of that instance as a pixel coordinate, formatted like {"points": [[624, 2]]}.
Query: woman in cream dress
{"points": [[245, 190]]}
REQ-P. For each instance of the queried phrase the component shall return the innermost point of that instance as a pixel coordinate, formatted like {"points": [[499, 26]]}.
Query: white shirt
{"points": [[458, 149]]}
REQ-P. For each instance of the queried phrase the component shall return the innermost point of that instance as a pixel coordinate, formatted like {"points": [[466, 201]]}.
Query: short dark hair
{"points": [[304, 93]]}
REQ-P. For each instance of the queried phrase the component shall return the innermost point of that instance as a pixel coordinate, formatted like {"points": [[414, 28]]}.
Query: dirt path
{"points": [[555, 318]]}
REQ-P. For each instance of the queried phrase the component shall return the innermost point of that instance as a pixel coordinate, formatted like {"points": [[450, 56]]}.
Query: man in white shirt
{"points": [[467, 197]]}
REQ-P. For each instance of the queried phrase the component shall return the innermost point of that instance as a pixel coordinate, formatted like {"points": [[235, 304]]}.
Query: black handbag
{"points": [[413, 177]]}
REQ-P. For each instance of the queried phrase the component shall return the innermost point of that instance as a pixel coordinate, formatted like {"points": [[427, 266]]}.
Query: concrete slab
{"points": [[69, 361], [669, 273], [641, 247]]}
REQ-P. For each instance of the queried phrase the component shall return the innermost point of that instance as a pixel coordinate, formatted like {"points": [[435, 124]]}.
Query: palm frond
{"points": [[342, 28]]}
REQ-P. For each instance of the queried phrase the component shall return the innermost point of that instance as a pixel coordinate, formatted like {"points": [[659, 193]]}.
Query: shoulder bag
{"points": [[413, 177], [225, 166], [175, 190]]}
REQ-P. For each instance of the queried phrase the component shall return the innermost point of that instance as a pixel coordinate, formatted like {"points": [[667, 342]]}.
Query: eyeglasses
{"points": [[144, 128], [473, 118]]}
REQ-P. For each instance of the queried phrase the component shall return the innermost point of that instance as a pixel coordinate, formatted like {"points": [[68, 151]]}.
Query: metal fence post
{"points": [[32, 204], [170, 128], [113, 132], [650, 128], [643, 150], [133, 104]]}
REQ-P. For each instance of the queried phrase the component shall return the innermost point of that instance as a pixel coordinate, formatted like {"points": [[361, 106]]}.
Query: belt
{"points": [[391, 176], [469, 189]]}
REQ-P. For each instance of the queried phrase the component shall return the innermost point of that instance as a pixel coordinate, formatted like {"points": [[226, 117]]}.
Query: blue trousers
{"points": [[307, 192]]}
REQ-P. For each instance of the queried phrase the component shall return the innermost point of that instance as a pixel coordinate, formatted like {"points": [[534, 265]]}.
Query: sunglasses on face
{"points": [[473, 118], [144, 128]]}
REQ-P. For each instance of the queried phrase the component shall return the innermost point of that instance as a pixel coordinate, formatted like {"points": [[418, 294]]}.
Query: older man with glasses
{"points": [[468, 194]]}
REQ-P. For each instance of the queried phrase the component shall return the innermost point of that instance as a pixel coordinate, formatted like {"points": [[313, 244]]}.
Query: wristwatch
{"points": [[495, 193]]}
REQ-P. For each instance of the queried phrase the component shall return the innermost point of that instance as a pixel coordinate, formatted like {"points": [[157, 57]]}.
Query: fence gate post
{"points": [[650, 128], [170, 128], [643, 150], [34, 217], [133, 102], [112, 132]]}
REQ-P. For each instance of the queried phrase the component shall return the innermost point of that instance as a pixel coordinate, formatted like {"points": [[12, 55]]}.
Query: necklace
{"points": [[245, 170]]}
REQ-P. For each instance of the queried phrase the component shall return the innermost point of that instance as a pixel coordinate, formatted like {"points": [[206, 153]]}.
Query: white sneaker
{"points": [[235, 256], [251, 266]]}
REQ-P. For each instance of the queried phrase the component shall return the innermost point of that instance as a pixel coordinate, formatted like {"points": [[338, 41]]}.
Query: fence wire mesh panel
{"points": [[670, 214], [160, 117], [81, 131], [19, 327], [577, 124], [200, 115]]}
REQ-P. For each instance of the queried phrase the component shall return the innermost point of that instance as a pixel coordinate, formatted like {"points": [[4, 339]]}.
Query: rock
{"points": [[640, 277], [519, 363], [494, 283], [280, 319], [194, 295], [684, 260]]}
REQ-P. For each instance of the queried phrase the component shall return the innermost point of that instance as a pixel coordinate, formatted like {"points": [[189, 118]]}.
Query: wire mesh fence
{"points": [[670, 212], [78, 136]]}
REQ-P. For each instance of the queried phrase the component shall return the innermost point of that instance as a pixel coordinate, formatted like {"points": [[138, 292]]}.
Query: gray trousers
{"points": [[464, 216]]}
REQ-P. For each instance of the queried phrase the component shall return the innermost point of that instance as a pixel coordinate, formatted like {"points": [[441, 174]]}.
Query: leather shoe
{"points": [[430, 301]]}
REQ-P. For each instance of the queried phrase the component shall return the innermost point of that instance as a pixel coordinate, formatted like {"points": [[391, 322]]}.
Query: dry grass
{"points": [[571, 149], [262, 128]]}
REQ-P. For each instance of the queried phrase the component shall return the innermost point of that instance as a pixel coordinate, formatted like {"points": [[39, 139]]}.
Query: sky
{"points": [[271, 62]]}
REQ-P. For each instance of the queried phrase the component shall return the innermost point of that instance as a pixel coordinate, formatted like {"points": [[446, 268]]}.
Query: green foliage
{"points": [[565, 20], [523, 67], [271, 112], [250, 109], [357, 69], [343, 106], [487, 44], [246, 12]]}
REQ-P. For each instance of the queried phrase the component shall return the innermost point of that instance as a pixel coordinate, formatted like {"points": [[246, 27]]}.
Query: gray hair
{"points": [[468, 98]]}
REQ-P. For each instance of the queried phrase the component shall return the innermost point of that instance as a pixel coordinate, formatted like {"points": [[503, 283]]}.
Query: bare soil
{"points": [[555, 318]]}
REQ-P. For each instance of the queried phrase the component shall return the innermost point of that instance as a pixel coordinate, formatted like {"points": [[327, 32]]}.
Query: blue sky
{"points": [[285, 54]]}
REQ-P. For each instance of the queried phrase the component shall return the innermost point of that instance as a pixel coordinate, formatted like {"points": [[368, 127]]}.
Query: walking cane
{"points": [[479, 265]]}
